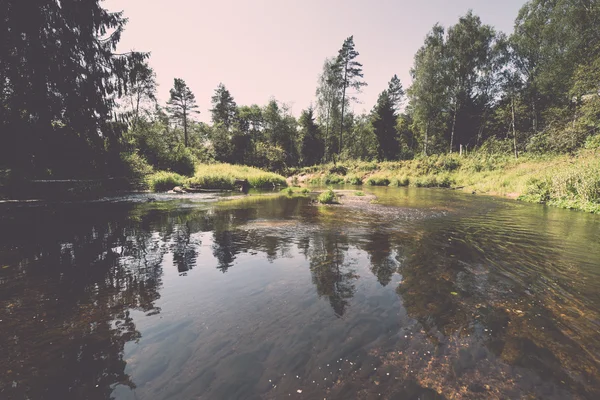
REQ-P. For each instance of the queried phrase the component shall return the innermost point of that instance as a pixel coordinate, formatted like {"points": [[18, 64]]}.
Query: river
{"points": [[424, 294]]}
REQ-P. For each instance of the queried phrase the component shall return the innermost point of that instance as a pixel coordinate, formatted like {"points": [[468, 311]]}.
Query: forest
{"points": [[72, 107]]}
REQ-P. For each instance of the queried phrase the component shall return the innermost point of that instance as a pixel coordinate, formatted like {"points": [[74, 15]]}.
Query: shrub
{"points": [[135, 166], [359, 194], [538, 190], [402, 181], [181, 161], [354, 180], [305, 191], [378, 181], [328, 197], [592, 142], [163, 181], [338, 169], [289, 191], [333, 180]]}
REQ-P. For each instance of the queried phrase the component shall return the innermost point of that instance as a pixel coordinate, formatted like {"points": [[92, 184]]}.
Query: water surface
{"points": [[426, 294]]}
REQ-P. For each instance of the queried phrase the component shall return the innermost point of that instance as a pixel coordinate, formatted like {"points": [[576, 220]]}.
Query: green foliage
{"points": [[359, 194], [338, 169], [59, 78], [312, 147], [333, 180], [224, 109], [181, 106], [384, 120], [305, 191], [378, 181], [592, 142], [223, 176], [136, 166], [401, 181], [289, 191], [163, 181], [354, 180], [328, 197]]}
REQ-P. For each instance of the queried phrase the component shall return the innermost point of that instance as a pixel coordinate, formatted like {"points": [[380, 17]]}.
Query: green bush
{"points": [[328, 197], [592, 142], [359, 194], [354, 180], [378, 181], [402, 181], [163, 181], [135, 166], [289, 191], [339, 170], [305, 191], [333, 180], [538, 190], [181, 161]]}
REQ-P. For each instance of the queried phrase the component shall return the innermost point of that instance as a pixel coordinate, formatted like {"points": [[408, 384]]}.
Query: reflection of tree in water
{"points": [[73, 277], [379, 247], [183, 248], [332, 278]]}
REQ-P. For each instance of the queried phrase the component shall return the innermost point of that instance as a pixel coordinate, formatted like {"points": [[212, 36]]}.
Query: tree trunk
{"points": [[185, 132], [426, 138], [343, 103], [514, 130], [327, 130], [453, 124]]}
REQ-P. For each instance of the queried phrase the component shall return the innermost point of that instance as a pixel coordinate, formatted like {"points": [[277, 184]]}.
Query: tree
{"points": [[468, 51], [396, 92], [142, 89], [428, 92], [59, 78], [224, 109], [383, 119], [328, 103], [181, 105], [350, 72], [311, 146]]}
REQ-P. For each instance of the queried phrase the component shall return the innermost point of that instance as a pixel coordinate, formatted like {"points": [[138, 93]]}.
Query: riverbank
{"points": [[566, 181]]}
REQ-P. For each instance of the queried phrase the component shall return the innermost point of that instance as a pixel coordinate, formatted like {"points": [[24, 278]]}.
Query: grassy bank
{"points": [[214, 176], [567, 181]]}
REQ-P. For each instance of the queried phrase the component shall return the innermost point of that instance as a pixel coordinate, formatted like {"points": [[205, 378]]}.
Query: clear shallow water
{"points": [[427, 294]]}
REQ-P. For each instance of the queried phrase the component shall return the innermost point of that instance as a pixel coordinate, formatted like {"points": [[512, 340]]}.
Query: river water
{"points": [[423, 294]]}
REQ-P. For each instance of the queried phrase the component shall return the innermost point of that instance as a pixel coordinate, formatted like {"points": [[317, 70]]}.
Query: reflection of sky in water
{"points": [[457, 296]]}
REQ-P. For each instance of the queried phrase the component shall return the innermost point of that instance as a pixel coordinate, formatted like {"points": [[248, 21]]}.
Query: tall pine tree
{"points": [[181, 105], [350, 76], [224, 109]]}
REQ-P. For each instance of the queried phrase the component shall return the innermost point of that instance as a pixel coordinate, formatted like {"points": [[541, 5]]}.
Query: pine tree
{"points": [[311, 146], [396, 92], [350, 72], [383, 119], [59, 78], [224, 109], [181, 105]]}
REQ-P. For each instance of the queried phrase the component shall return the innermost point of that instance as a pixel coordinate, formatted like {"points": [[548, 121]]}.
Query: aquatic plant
{"points": [[328, 197]]}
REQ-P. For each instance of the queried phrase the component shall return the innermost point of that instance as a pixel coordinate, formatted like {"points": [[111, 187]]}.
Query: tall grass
{"points": [[216, 176], [223, 176], [569, 181]]}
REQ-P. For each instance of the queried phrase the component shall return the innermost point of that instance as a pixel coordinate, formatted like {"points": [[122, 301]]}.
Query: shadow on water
{"points": [[431, 294]]}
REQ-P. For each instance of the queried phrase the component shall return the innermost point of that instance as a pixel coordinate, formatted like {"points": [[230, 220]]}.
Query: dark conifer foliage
{"points": [[59, 78]]}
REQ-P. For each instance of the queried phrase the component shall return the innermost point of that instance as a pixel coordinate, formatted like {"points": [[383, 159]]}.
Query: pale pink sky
{"points": [[260, 49]]}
